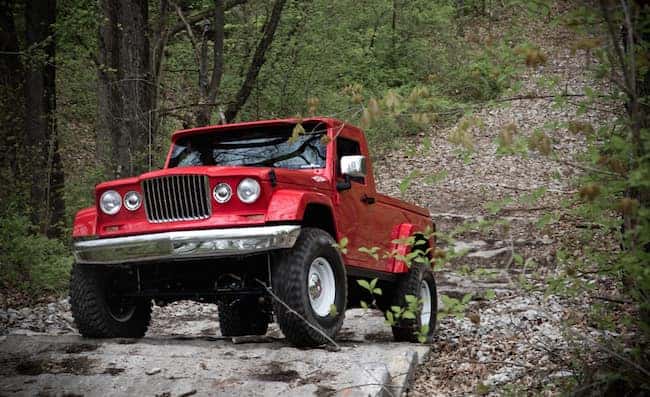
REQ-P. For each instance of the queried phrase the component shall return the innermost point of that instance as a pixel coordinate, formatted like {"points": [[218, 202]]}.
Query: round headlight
{"points": [[222, 193], [248, 190], [132, 200], [110, 202]]}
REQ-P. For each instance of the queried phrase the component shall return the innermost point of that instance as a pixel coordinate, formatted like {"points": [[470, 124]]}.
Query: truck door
{"points": [[351, 210]]}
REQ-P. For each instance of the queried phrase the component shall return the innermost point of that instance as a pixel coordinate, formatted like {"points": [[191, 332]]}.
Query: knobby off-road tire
{"points": [[405, 330], [290, 280], [242, 316], [93, 312]]}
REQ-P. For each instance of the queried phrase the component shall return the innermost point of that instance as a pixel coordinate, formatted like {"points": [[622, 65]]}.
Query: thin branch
{"points": [[186, 106], [620, 57], [590, 169], [531, 97], [312, 326], [194, 18], [528, 189], [258, 60], [190, 33], [610, 351], [612, 299]]}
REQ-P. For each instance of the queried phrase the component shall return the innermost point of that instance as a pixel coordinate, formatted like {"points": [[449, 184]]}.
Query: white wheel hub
{"points": [[425, 296], [321, 286]]}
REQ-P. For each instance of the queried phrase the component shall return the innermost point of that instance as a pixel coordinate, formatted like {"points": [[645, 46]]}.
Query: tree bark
{"points": [[11, 94], [40, 120], [209, 91], [257, 61], [125, 88]]}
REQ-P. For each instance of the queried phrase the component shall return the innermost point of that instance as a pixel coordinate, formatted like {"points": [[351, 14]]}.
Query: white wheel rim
{"points": [[321, 286], [425, 296]]}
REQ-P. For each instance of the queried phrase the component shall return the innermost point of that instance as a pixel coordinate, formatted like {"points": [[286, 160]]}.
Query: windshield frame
{"points": [[279, 130]]}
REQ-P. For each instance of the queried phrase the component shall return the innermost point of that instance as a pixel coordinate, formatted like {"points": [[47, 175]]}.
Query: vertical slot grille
{"points": [[177, 198]]}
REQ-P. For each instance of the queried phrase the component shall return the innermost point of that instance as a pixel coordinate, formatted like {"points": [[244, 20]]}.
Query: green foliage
{"points": [[342, 245], [370, 286], [453, 307], [30, 262], [406, 182]]}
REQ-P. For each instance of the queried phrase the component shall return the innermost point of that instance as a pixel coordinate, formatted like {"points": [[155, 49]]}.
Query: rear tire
{"points": [[310, 278], [242, 316], [100, 312], [419, 282]]}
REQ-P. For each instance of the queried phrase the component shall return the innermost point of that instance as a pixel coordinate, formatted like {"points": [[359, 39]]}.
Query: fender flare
{"points": [[290, 204], [402, 231]]}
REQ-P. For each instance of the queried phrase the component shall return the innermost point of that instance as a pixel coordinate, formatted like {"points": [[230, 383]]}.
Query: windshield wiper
{"points": [[272, 142], [286, 156]]}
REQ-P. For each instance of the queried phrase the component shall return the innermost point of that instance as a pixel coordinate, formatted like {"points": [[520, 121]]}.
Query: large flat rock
{"points": [[369, 363]]}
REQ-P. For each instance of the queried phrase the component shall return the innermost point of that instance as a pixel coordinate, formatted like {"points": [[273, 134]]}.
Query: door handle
{"points": [[367, 199]]}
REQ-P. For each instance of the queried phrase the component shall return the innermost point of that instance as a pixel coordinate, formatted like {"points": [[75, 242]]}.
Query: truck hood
{"points": [[307, 178]]}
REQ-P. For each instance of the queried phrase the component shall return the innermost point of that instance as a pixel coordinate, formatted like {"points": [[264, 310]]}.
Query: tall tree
{"points": [[43, 159], [11, 92], [257, 61], [125, 97], [208, 85], [212, 27]]}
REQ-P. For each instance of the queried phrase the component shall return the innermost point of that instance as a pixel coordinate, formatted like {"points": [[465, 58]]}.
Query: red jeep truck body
{"points": [[289, 198]]}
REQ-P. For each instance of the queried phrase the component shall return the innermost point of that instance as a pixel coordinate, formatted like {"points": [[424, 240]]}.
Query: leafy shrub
{"points": [[30, 262]]}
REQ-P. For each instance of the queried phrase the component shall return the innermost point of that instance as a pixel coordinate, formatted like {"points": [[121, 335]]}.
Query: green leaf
{"points": [[341, 245], [490, 294], [482, 389], [370, 251], [364, 284], [377, 291], [373, 283], [390, 319], [408, 315], [518, 258], [333, 310], [396, 309], [364, 305], [466, 298], [296, 132], [411, 298], [406, 182]]}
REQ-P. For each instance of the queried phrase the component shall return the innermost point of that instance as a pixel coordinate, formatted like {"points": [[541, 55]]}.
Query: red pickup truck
{"points": [[247, 216]]}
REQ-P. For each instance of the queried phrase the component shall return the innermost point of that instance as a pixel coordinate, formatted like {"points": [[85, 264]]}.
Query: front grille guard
{"points": [[174, 198]]}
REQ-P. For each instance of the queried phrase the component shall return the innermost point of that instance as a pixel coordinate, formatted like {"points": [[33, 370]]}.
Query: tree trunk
{"points": [[257, 61], [40, 121], [125, 121], [11, 96], [209, 91]]}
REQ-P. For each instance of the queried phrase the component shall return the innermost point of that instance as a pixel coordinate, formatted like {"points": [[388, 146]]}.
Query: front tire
{"points": [[419, 282], [98, 309], [310, 278]]}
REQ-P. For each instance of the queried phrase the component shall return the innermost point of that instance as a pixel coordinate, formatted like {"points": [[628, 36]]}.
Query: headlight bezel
{"points": [[126, 201], [216, 197], [257, 188], [118, 200]]}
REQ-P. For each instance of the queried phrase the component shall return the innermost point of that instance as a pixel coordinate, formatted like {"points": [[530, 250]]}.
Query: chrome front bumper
{"points": [[185, 244]]}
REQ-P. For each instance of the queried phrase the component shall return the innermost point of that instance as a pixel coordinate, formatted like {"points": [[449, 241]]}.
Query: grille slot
{"points": [[177, 198]]}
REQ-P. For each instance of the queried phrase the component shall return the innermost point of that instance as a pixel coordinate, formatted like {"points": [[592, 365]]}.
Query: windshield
{"points": [[258, 147]]}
